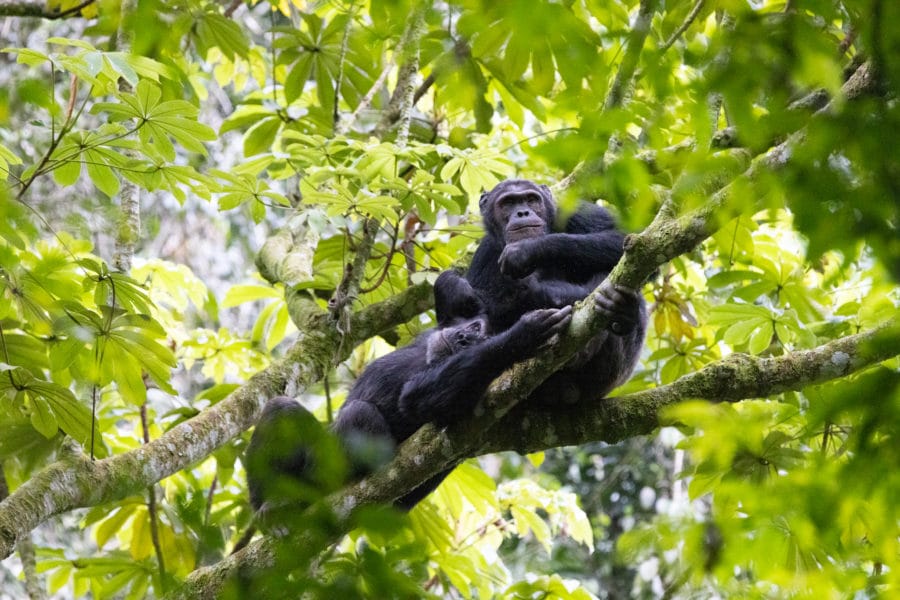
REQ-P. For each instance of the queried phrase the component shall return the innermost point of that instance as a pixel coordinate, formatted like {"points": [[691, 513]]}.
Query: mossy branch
{"points": [[75, 481], [734, 378], [29, 8]]}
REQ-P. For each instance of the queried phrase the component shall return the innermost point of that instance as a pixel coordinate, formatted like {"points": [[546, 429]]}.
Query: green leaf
{"points": [[101, 175], [239, 294], [527, 521], [543, 73], [42, 417], [261, 136], [111, 525], [7, 158], [297, 77], [25, 56], [67, 173], [70, 415], [119, 63], [215, 30], [245, 115], [761, 338]]}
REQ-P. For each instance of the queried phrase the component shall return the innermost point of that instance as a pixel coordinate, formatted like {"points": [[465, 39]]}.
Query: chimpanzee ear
{"points": [[546, 191], [482, 202]]}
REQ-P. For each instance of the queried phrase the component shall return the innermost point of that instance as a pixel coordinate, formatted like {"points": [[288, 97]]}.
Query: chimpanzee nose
{"points": [[523, 213]]}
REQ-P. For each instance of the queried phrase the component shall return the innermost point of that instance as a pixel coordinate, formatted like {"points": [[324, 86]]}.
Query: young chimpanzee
{"points": [[527, 260], [437, 378]]}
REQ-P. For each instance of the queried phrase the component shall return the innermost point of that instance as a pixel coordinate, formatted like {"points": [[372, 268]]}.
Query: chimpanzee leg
{"points": [[291, 456], [365, 436]]}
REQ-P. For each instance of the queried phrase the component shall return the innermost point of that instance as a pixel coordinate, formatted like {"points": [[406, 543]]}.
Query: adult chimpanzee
{"points": [[528, 260], [437, 378]]}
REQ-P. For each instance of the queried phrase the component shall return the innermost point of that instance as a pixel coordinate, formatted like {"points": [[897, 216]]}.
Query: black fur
{"points": [[437, 378], [527, 260]]}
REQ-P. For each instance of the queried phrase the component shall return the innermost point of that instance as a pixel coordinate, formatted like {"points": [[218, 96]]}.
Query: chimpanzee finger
{"points": [[553, 321], [561, 318], [621, 305]]}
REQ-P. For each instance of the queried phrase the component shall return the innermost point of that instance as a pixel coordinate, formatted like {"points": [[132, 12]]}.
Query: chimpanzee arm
{"points": [[558, 292], [291, 456], [365, 436], [572, 256], [448, 391], [590, 243], [454, 298]]}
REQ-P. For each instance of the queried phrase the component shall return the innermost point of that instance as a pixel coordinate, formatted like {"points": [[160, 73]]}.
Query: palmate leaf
{"points": [[126, 346], [51, 407], [7, 158], [476, 171], [745, 324], [215, 30], [157, 121], [315, 54], [133, 347], [72, 417], [89, 148], [240, 188], [175, 179], [128, 293]]}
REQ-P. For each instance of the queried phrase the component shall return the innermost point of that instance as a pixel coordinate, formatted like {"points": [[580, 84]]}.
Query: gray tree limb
{"points": [[734, 378], [528, 429], [75, 481], [30, 8]]}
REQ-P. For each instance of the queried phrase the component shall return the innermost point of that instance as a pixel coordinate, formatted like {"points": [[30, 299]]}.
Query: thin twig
{"points": [[152, 512], [635, 44], [232, 7], [684, 26], [339, 80], [400, 104]]}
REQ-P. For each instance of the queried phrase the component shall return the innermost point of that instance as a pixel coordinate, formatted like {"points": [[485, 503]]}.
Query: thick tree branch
{"points": [[29, 8], [500, 424], [400, 104], [529, 428], [128, 231], [75, 481], [635, 44], [737, 377]]}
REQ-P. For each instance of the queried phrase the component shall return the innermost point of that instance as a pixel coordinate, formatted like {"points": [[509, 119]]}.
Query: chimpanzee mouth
{"points": [[524, 232], [523, 228]]}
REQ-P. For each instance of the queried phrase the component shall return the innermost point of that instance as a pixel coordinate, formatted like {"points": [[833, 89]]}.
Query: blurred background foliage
{"points": [[243, 123]]}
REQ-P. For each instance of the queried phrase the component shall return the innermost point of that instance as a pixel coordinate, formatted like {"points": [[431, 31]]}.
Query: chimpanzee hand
{"points": [[536, 327], [621, 305], [517, 258]]}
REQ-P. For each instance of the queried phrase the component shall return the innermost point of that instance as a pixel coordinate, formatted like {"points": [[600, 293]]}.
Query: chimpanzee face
{"points": [[517, 210], [447, 341]]}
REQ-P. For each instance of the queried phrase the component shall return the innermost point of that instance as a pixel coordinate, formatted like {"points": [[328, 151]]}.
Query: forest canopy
{"points": [[207, 205]]}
